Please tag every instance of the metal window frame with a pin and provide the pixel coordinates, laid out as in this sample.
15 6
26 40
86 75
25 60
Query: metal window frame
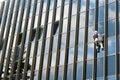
6 37
43 41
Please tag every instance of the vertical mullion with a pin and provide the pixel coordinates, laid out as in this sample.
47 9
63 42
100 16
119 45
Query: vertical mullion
67 41
6 37
76 41
105 39
95 52
59 40
51 41
11 38
117 39
85 41
16 41
43 41
28 47
1 10
36 40
3 21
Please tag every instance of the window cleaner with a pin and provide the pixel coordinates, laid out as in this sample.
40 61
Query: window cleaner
98 40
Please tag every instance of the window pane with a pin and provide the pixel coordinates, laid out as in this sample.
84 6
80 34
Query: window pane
111 45
92 4
111 65
101 14
52 70
71 55
111 11
80 53
69 72
79 71
100 64
89 69
90 51
83 5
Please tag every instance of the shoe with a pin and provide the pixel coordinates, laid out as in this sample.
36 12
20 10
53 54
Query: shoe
102 49
98 51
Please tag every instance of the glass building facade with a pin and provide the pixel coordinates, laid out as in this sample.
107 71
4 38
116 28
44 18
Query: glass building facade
53 40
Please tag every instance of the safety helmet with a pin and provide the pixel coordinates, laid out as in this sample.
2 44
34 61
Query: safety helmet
95 32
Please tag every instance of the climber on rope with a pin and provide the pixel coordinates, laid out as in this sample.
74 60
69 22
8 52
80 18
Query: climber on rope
98 40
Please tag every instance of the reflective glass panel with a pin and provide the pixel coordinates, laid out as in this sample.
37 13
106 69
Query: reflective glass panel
111 45
72 38
101 14
111 65
79 71
69 72
111 11
71 55
89 69
83 5
60 73
90 53
100 64
52 71
92 4
80 53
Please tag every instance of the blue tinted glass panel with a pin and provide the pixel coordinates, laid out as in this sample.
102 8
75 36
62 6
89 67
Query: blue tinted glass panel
89 69
60 73
101 2
101 28
72 39
111 45
71 55
80 53
91 16
111 28
90 34
101 14
100 78
43 74
109 1
111 65
111 11
52 70
82 19
53 60
81 36
90 53
79 71
83 5
92 4
62 57
69 72
111 78
100 64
